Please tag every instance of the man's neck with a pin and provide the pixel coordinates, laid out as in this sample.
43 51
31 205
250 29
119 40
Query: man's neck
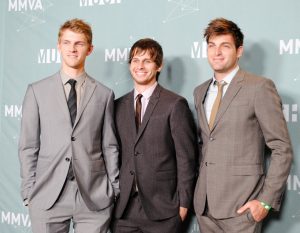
73 73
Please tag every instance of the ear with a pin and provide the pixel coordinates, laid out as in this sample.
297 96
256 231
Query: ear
90 50
240 51
160 68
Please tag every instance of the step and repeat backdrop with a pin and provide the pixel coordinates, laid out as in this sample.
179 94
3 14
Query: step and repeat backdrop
28 38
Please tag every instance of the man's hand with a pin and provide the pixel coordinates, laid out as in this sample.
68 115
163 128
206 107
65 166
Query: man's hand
183 213
256 209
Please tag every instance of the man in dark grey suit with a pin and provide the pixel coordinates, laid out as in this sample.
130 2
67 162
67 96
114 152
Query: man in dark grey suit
68 149
157 139
240 114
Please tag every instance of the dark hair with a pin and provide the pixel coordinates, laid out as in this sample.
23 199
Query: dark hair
147 45
78 26
221 26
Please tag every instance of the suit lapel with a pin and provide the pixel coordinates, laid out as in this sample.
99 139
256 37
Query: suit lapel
129 105
202 96
151 105
231 92
88 91
61 96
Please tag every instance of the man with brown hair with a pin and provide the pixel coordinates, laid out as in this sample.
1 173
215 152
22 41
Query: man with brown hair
68 150
157 138
239 114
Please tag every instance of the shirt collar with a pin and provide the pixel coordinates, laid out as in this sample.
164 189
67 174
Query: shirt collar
65 78
229 77
147 93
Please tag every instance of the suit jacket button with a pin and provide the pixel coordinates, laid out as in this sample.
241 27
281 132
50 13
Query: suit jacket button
73 139
132 173
67 159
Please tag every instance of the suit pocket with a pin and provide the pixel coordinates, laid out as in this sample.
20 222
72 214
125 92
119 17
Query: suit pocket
166 175
247 170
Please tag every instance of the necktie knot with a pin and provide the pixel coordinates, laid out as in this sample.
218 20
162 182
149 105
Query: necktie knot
72 82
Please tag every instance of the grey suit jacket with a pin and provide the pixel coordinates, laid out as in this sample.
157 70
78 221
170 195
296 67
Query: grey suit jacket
232 154
162 154
48 142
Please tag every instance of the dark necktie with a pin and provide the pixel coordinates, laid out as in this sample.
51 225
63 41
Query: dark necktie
138 111
72 101
72 105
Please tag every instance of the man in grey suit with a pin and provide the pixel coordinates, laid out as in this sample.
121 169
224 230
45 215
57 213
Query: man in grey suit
240 115
68 149
157 138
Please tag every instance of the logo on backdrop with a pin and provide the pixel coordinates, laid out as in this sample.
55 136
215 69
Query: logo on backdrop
85 3
48 56
25 5
290 112
198 50
13 111
293 183
291 46
116 54
15 219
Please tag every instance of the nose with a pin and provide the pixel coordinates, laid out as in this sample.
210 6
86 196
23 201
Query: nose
141 65
218 50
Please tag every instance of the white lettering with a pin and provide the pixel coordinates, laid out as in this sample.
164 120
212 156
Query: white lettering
24 5
12 111
48 56
199 50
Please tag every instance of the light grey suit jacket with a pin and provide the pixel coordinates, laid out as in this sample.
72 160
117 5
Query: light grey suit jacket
232 164
48 142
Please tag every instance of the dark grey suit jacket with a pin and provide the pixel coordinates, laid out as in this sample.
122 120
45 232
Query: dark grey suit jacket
249 119
162 153
48 142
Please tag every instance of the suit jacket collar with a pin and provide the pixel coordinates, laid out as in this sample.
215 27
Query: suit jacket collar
88 92
61 97
231 92
202 96
130 111
151 105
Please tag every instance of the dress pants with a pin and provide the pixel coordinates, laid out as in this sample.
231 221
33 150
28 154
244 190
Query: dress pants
69 206
243 223
134 220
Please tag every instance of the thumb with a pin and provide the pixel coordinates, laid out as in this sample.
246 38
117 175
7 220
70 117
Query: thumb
243 209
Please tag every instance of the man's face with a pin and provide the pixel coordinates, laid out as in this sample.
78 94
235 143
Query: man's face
74 49
143 69
222 54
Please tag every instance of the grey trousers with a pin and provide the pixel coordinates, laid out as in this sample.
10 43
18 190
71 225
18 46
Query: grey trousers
69 207
241 224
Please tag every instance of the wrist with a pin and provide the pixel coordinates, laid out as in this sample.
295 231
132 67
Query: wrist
266 206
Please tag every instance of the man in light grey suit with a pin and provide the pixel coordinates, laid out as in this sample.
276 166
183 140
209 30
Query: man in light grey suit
68 150
240 115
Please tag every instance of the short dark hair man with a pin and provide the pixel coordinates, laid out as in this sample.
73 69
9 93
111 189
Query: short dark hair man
239 114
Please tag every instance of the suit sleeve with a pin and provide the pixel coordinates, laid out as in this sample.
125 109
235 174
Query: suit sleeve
29 142
184 136
110 146
268 110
